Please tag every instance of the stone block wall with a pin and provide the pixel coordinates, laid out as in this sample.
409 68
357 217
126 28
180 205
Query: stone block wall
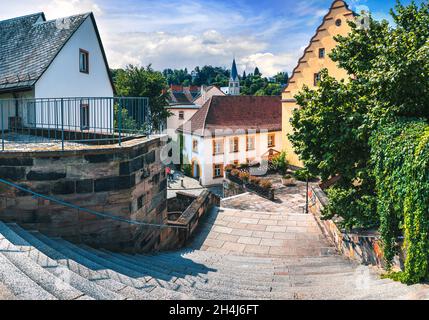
189 219
127 182
363 246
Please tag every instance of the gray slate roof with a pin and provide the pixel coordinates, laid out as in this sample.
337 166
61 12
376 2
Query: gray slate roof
29 44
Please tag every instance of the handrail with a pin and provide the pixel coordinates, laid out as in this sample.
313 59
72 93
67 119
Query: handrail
92 212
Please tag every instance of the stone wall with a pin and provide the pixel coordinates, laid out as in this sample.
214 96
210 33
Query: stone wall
190 218
363 246
128 182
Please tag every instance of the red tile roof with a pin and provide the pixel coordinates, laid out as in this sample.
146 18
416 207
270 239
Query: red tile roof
248 113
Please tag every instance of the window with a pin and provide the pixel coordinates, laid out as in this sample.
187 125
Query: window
250 143
181 115
83 61
195 145
317 77
271 140
338 22
84 116
233 144
322 53
217 147
217 170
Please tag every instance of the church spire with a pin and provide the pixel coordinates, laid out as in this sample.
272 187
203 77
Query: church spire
234 81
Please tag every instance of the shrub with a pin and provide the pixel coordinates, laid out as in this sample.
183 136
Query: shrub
254 180
235 172
243 166
229 167
400 157
266 184
280 163
244 176
287 176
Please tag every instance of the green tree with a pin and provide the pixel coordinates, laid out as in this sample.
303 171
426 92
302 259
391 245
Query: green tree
144 82
388 77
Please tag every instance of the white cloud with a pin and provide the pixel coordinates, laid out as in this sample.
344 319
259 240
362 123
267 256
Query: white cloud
52 8
268 63
187 33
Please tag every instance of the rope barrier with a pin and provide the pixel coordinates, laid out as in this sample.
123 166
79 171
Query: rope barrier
89 211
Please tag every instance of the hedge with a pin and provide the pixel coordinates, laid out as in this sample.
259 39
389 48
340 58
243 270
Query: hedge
400 159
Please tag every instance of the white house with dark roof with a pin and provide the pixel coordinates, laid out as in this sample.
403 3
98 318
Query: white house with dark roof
184 102
62 58
231 130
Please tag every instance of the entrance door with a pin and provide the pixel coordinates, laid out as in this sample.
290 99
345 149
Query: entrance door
196 170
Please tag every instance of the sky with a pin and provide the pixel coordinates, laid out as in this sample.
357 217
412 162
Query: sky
270 34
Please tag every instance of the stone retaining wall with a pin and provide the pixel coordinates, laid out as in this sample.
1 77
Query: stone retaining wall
363 246
190 218
127 181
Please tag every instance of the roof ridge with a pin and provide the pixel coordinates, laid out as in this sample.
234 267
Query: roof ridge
25 16
72 16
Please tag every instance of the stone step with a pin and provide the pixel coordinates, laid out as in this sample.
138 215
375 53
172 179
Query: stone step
147 280
200 289
78 272
56 286
98 286
21 286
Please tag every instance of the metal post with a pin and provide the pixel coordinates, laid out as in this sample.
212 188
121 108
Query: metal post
120 120
2 127
62 124
306 197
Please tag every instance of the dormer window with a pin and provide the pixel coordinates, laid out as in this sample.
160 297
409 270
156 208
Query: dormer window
83 61
322 53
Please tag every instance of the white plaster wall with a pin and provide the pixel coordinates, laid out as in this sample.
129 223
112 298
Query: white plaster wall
173 122
206 158
63 79
7 106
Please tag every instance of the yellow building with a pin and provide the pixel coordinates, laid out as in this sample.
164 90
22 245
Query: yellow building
314 59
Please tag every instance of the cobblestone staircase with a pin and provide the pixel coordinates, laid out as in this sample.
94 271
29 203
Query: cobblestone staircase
33 266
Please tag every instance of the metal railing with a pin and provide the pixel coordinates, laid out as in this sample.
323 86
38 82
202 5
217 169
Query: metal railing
37 123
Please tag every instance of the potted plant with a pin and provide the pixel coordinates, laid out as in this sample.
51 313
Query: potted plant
254 180
235 172
288 180
244 176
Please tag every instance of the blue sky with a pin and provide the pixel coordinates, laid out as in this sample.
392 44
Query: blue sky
185 33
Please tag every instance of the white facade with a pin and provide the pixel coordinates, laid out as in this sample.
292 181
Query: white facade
180 115
63 79
203 160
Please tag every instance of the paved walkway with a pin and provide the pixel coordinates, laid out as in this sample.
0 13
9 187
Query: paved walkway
287 199
180 182
271 234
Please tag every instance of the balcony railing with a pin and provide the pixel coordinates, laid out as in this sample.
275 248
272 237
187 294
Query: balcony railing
27 124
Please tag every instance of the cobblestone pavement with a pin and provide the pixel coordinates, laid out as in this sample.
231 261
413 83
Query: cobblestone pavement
251 225
262 234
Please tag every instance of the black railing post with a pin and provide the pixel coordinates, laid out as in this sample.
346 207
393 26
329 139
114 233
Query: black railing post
62 124
2 126
120 121
306 197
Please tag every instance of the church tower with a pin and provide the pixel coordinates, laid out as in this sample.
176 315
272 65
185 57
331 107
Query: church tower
234 82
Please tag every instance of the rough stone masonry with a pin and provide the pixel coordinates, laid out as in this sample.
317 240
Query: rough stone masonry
127 182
